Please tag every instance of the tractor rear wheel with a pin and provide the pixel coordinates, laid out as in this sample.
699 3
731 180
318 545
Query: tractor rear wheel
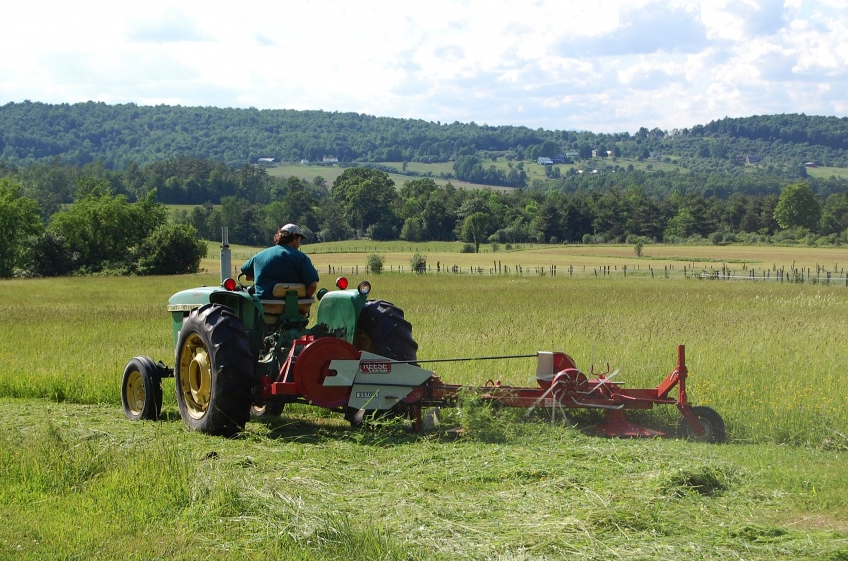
141 390
382 330
711 421
214 371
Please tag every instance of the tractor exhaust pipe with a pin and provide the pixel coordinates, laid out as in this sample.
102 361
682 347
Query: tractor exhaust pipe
226 263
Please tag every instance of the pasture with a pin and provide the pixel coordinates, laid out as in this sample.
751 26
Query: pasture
330 173
81 482
768 356
533 170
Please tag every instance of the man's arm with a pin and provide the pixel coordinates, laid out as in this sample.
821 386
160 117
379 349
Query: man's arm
310 290
247 269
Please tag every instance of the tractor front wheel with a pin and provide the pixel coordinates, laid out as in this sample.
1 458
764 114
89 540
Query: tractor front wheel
711 421
214 371
141 390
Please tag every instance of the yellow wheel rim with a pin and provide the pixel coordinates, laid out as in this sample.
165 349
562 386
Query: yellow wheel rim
195 376
135 392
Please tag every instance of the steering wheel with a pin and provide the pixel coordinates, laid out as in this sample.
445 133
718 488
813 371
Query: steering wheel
242 283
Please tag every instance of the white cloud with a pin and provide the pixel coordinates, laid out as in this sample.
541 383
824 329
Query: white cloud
605 65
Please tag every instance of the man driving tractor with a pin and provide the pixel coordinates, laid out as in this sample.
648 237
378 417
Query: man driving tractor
282 263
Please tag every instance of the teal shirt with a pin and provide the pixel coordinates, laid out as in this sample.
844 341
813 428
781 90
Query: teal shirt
277 264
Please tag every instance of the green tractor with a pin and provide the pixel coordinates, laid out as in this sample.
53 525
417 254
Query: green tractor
238 356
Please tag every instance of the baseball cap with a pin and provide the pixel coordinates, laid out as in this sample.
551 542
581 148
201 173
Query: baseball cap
292 229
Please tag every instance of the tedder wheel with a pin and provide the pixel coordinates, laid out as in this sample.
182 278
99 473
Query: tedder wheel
214 371
384 331
141 389
266 410
709 419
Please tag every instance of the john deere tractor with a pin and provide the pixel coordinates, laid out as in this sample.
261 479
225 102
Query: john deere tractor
237 355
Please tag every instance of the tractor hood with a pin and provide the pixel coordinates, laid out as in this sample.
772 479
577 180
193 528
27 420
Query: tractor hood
187 300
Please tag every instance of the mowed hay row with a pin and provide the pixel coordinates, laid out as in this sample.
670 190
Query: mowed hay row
768 357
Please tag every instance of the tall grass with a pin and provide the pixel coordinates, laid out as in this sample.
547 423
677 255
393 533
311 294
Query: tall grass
79 482
770 358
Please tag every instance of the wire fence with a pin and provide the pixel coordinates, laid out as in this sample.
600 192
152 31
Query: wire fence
819 275
794 275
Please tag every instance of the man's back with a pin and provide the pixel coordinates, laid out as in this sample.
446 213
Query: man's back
279 264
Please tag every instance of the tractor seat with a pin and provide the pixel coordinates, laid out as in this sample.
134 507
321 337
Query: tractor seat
277 307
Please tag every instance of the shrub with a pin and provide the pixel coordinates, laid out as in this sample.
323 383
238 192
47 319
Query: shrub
375 263
467 248
171 250
418 262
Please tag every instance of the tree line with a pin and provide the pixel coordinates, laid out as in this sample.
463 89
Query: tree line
100 233
61 219
120 136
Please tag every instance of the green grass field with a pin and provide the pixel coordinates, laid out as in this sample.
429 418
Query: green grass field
74 335
330 173
826 172
79 481
533 171
584 260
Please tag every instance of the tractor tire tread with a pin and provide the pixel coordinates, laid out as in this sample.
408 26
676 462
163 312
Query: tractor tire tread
383 325
232 370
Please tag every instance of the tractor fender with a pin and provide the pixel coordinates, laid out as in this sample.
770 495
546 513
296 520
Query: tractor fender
246 306
339 311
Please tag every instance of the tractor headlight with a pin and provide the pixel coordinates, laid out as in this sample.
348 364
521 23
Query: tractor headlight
364 288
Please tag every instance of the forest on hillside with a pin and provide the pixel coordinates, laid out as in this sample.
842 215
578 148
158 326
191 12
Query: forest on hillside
62 219
84 187
119 136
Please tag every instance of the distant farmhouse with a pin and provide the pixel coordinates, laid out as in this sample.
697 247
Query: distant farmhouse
330 160
752 160
545 161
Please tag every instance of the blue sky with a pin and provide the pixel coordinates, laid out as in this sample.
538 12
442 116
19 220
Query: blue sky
598 65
